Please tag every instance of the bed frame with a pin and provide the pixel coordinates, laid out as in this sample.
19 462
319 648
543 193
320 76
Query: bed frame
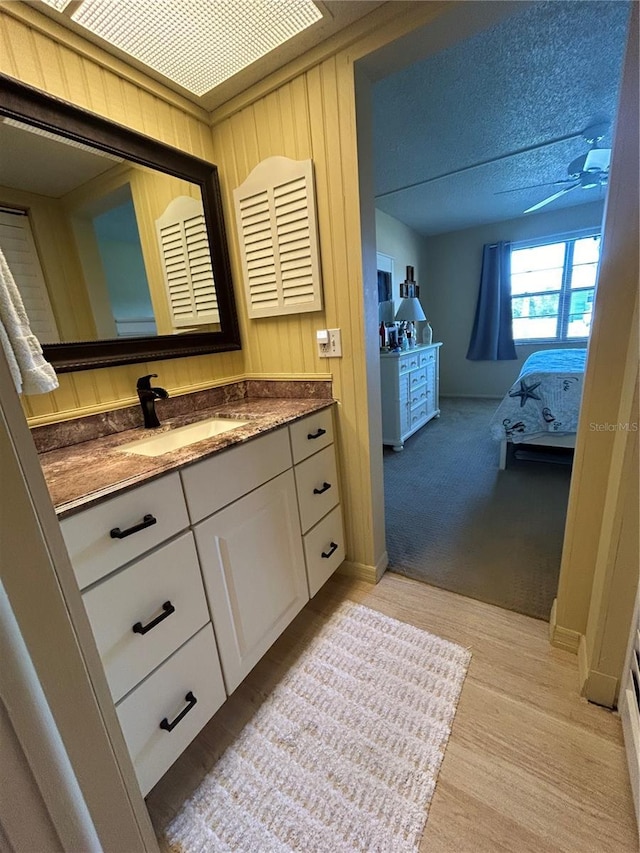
543 441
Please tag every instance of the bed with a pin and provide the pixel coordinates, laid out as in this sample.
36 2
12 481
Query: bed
543 404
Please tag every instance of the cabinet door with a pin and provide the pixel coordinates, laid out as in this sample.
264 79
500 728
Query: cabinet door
432 389
254 573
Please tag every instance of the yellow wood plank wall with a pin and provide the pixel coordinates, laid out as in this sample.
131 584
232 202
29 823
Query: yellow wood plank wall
313 116
38 59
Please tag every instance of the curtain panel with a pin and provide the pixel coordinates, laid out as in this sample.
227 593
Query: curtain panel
492 335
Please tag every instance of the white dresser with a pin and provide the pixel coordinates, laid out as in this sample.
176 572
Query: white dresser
409 386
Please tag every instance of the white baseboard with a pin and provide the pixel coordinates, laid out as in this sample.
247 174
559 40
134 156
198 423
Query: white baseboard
470 396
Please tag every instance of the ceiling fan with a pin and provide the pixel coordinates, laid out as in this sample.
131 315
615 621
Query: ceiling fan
586 171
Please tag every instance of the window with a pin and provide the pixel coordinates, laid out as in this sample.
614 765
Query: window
552 287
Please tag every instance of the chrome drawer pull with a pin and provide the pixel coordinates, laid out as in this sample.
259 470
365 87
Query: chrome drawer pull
327 554
167 726
325 487
147 521
316 434
168 609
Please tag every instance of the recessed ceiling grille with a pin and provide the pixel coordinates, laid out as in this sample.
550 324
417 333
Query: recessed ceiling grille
196 43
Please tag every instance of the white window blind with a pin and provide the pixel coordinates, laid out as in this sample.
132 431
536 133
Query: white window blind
278 236
186 263
19 248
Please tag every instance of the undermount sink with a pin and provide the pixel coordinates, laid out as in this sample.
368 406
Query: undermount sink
181 437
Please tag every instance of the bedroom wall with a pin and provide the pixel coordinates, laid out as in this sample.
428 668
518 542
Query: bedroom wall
405 246
451 285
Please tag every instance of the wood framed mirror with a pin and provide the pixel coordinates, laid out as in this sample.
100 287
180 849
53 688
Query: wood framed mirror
69 174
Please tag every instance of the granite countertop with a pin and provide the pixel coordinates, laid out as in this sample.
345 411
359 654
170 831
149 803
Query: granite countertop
80 475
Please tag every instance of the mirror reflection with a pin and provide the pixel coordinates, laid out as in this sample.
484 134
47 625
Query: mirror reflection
102 248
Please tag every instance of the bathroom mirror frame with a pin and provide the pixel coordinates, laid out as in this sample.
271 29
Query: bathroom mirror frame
33 106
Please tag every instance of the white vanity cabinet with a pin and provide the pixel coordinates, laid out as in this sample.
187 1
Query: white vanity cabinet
188 579
409 389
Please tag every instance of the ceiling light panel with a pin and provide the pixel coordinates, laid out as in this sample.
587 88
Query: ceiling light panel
58 5
197 43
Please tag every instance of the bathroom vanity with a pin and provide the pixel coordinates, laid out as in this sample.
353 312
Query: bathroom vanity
191 563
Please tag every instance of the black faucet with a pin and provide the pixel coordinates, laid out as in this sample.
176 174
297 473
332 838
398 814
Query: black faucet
148 397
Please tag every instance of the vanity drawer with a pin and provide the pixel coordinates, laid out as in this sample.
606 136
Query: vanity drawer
317 487
135 596
311 434
94 548
213 483
324 549
194 669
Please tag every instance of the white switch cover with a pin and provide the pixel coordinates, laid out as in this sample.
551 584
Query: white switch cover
329 343
335 343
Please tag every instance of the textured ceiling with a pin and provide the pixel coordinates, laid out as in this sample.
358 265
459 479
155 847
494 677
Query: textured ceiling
543 73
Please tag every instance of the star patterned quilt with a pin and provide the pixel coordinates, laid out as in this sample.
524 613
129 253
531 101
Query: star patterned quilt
545 398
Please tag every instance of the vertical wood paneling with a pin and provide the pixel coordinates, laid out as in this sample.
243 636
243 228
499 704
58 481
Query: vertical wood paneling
314 116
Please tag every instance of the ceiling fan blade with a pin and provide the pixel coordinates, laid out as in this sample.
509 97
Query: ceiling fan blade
551 198
535 186
598 158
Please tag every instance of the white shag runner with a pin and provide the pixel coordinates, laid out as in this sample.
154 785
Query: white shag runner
344 754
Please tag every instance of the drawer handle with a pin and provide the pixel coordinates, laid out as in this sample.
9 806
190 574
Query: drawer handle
332 549
168 609
325 487
317 434
167 726
147 521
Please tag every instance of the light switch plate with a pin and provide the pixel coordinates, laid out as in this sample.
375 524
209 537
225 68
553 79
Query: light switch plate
335 343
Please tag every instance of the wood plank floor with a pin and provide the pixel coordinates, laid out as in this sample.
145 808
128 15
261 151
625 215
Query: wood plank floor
530 766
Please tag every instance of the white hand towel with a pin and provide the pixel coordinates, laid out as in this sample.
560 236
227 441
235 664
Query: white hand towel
31 373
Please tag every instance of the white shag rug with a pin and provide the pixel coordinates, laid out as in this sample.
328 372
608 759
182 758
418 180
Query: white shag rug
343 755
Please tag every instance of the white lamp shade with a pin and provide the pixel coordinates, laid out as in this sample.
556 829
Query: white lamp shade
410 309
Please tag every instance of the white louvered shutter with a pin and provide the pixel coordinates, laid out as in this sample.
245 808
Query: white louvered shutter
19 248
278 236
186 263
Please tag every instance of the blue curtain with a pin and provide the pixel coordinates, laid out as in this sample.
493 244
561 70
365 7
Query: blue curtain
492 335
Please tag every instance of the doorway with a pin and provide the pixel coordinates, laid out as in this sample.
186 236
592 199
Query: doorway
450 306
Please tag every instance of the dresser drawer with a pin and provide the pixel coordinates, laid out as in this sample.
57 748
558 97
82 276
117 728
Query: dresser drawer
409 362
317 487
417 377
419 396
213 483
136 596
324 549
143 517
418 416
427 357
311 434
195 670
